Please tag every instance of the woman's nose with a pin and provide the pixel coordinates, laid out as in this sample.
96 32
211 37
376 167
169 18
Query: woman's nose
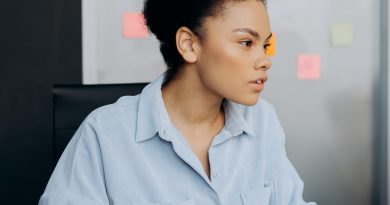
263 63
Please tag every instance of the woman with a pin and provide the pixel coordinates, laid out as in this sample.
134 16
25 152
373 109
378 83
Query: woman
199 133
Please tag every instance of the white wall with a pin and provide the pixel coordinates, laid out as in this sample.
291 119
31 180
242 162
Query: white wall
108 56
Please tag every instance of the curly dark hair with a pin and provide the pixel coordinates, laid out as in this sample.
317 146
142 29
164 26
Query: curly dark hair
165 17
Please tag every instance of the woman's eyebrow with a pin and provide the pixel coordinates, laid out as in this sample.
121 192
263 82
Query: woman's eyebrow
251 32
269 37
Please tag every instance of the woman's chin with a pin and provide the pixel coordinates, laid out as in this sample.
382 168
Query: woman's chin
248 100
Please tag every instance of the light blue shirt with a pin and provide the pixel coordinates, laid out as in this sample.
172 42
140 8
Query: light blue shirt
129 153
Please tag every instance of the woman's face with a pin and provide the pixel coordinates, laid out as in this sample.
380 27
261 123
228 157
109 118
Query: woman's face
233 51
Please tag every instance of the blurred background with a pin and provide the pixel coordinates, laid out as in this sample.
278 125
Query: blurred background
328 83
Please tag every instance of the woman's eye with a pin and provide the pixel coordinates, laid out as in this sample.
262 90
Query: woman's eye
247 43
266 46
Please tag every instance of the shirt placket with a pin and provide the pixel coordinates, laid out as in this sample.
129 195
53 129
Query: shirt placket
183 150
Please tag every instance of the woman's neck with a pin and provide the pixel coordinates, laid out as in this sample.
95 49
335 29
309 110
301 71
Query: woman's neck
189 102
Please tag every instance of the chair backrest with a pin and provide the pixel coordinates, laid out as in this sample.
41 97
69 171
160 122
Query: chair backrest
72 104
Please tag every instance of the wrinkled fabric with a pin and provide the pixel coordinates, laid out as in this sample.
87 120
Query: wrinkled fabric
129 153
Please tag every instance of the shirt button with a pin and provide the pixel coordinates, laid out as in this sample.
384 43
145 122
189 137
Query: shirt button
164 131
216 174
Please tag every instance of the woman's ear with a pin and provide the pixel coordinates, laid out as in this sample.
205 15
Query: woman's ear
186 43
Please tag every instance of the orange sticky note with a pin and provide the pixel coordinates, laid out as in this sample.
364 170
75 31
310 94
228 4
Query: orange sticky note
271 50
134 25
308 67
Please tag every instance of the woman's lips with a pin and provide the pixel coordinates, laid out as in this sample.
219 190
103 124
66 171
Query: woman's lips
261 80
257 86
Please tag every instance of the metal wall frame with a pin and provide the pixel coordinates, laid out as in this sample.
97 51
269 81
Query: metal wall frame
89 42
385 62
381 113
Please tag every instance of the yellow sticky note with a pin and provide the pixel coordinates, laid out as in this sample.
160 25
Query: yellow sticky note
271 50
342 34
308 67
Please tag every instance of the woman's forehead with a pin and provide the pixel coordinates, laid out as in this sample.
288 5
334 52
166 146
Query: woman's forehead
243 14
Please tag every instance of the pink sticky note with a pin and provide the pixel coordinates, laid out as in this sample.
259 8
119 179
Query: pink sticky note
134 25
308 67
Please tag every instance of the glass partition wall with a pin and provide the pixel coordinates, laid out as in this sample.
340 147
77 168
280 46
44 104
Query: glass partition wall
328 84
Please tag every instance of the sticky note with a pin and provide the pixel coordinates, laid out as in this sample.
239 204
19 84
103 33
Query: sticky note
134 25
308 67
342 34
271 50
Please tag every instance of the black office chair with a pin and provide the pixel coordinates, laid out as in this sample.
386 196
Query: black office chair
72 104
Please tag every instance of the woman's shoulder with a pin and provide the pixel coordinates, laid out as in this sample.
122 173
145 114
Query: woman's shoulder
121 105
120 115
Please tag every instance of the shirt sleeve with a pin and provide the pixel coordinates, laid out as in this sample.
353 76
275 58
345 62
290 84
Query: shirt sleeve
289 186
79 175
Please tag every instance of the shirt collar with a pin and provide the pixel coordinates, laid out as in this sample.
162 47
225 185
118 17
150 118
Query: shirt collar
152 115
235 122
150 110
